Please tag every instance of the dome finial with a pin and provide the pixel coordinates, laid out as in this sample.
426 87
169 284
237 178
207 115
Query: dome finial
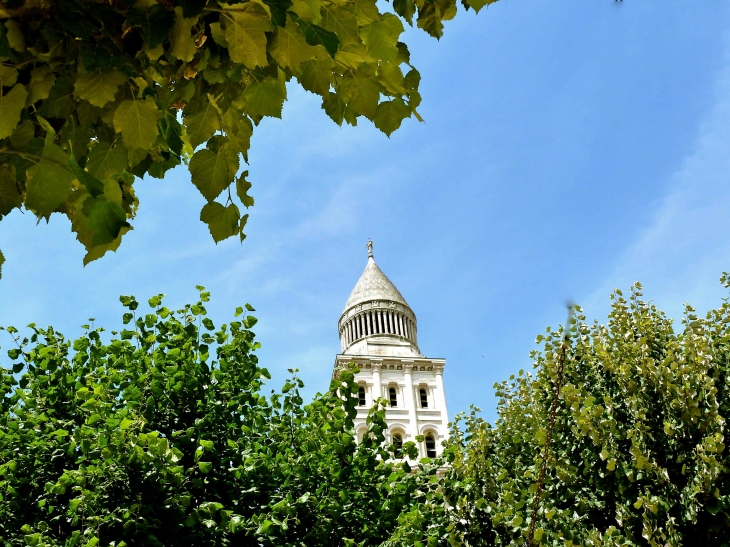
370 249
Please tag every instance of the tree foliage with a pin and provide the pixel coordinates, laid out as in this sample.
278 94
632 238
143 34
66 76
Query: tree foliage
95 94
638 454
162 436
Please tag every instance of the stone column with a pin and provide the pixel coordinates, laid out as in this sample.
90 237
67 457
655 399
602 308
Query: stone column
409 400
377 390
441 401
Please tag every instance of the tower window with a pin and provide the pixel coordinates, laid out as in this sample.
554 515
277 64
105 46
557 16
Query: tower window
392 396
361 396
398 444
430 446
424 398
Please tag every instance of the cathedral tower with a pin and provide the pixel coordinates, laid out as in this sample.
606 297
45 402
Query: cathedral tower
379 334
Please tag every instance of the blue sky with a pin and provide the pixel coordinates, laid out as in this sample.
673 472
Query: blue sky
569 148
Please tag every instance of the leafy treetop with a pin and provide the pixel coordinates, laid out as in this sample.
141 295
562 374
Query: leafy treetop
94 94
162 434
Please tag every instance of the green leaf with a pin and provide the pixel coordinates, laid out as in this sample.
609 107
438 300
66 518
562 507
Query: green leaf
105 219
15 37
381 37
182 44
8 75
205 467
11 104
105 161
406 9
246 25
477 5
22 134
361 94
432 14
4 45
278 10
265 98
342 21
10 196
98 88
137 122
214 168
41 83
290 49
392 78
309 10
316 76
48 182
242 188
202 124
318 36
238 129
334 107
222 221
390 114
93 185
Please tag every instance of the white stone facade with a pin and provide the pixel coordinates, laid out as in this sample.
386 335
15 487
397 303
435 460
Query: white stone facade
379 334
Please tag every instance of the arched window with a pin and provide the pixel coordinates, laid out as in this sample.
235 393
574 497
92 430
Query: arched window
361 396
392 396
430 446
398 444
424 398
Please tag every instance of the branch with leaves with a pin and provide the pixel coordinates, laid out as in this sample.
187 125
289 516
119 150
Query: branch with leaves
96 94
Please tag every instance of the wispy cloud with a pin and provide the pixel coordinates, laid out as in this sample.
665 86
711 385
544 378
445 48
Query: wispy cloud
680 254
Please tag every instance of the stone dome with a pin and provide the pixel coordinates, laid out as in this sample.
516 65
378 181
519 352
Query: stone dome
377 320
374 285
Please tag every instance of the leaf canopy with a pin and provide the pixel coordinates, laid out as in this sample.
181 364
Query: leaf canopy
164 434
123 90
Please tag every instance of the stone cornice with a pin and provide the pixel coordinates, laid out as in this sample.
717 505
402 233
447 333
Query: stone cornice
377 362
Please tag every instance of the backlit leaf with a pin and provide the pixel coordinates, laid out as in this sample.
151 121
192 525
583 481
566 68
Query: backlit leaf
242 188
137 122
182 44
316 76
10 196
265 98
222 221
289 47
478 4
48 182
105 219
41 83
202 123
99 88
245 33
104 161
316 35
11 104
390 114
381 37
214 168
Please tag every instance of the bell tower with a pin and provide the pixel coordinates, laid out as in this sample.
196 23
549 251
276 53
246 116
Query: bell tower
379 334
